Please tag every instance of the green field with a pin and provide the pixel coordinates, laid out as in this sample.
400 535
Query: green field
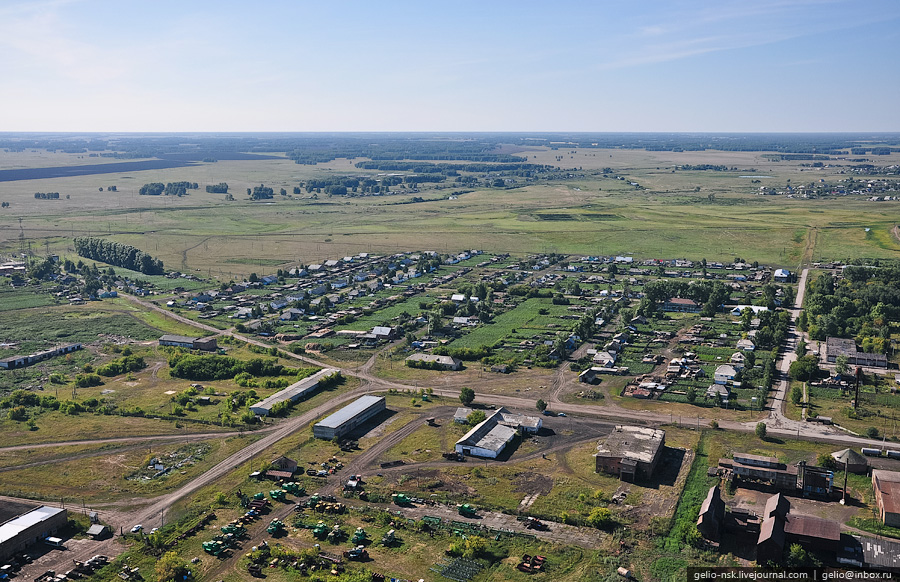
589 215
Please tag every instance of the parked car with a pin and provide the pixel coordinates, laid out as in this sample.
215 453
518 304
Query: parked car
137 528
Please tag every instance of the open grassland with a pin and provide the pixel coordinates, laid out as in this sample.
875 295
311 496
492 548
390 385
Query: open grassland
665 216
111 477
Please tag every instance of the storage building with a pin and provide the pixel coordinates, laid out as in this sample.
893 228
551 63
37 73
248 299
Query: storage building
349 417
631 452
887 496
489 437
207 344
21 530
294 392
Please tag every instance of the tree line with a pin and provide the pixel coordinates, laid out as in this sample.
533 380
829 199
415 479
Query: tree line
47 195
862 304
168 189
118 254
220 188
192 367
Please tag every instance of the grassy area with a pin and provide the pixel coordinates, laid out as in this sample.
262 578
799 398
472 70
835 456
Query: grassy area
115 476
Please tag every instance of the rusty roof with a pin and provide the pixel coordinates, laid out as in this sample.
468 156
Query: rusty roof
812 527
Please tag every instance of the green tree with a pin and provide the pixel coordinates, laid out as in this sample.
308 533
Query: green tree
796 395
842 364
466 396
476 417
761 430
797 556
803 321
826 461
691 394
541 405
170 568
804 369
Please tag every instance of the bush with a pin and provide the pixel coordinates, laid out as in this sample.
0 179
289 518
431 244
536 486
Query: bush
476 417
601 518
761 430
87 380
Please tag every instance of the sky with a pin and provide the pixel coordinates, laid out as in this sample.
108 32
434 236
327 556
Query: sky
487 65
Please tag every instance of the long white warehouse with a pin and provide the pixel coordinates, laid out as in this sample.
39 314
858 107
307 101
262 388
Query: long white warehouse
293 392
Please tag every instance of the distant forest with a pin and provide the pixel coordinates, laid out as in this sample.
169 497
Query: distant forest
496 148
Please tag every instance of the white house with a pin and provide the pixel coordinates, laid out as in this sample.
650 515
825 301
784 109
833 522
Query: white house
725 374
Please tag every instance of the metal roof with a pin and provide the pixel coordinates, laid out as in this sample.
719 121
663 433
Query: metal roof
295 390
177 338
17 525
348 412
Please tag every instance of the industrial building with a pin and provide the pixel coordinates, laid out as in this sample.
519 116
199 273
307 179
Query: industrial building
12 362
207 344
489 437
24 525
631 452
887 496
780 527
712 515
808 479
349 417
835 347
294 392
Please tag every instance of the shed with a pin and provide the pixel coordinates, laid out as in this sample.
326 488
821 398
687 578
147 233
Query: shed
98 531
855 462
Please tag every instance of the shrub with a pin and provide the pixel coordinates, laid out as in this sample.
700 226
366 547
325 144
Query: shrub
761 430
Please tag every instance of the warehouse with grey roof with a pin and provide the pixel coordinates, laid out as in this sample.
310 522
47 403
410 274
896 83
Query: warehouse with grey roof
25 525
294 392
349 417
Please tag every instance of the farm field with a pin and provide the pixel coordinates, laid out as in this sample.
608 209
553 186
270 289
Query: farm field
663 217
543 288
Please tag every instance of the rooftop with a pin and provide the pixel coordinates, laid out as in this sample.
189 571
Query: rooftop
297 388
177 338
632 442
346 413
16 525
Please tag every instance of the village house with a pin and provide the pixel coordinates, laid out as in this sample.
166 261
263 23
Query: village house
445 362
681 305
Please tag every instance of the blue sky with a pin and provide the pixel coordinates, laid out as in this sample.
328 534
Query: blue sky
748 65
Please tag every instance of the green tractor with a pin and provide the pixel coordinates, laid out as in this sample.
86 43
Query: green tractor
401 499
276 527
389 538
359 536
320 530
214 547
277 494
336 534
233 528
294 488
466 510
